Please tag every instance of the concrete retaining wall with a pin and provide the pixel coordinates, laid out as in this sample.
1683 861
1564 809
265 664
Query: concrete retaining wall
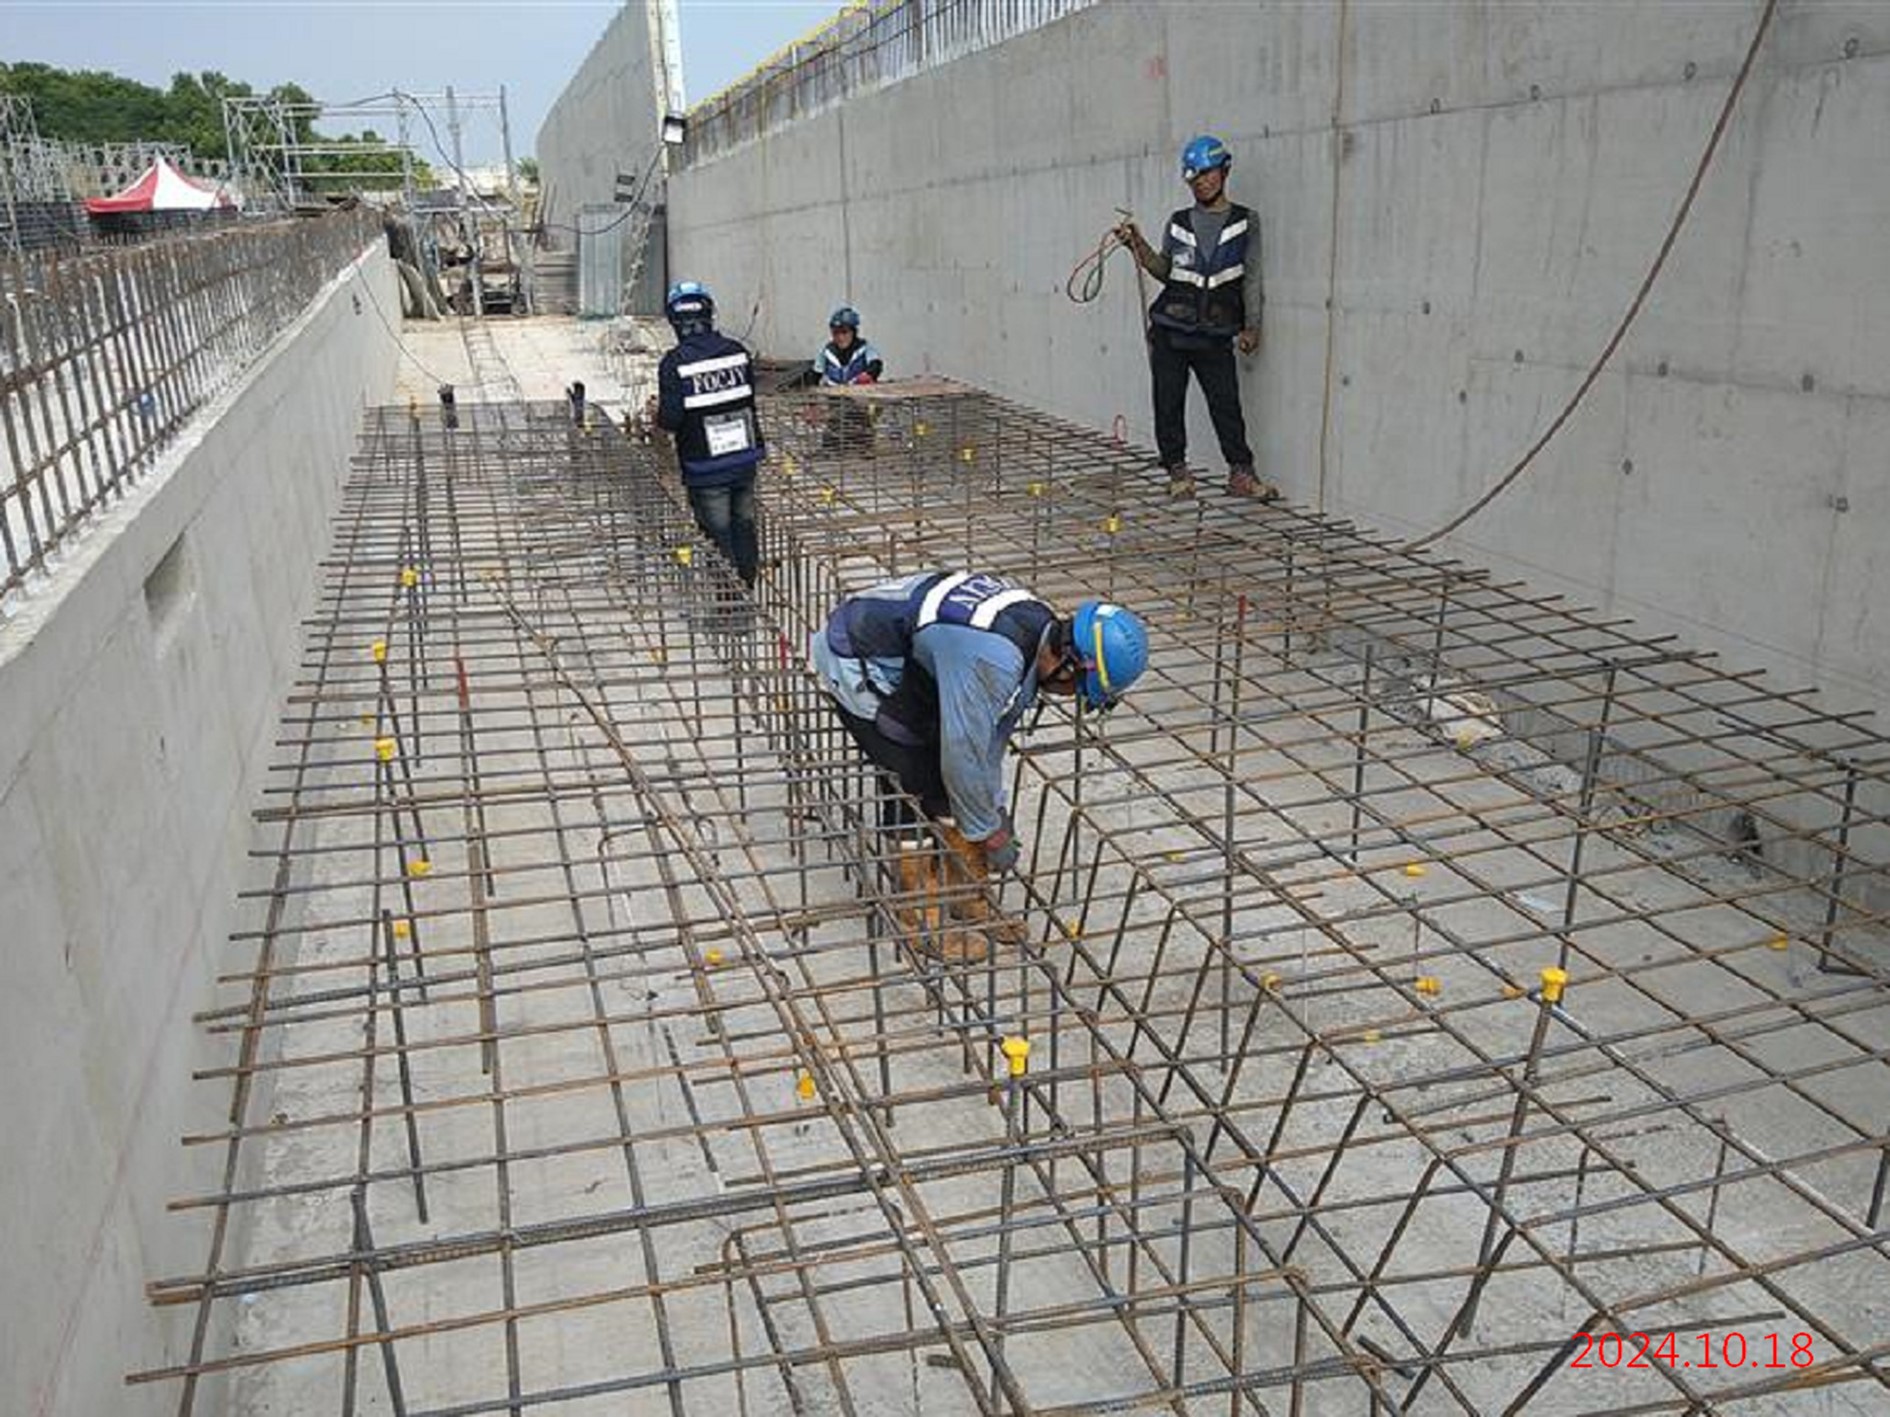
1458 202
604 124
139 696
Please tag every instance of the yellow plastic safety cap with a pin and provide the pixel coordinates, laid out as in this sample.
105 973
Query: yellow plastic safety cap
402 929
1554 981
685 555
1780 943
826 494
1414 869
1270 982
967 454
1429 984
1112 525
419 866
1035 489
919 430
1016 1052
384 749
379 650
1372 1035
409 577
804 1086
712 958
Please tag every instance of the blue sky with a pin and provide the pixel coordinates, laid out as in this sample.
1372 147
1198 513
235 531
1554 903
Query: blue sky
347 49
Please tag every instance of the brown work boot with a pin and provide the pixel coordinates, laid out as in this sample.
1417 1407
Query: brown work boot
965 870
1241 482
920 915
1180 480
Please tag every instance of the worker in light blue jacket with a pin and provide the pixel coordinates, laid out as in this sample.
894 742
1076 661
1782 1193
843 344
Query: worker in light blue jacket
931 675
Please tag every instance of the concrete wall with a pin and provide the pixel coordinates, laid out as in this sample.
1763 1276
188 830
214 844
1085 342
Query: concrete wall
139 695
606 122
1479 188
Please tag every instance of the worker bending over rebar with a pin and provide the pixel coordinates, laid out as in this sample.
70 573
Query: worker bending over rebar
931 674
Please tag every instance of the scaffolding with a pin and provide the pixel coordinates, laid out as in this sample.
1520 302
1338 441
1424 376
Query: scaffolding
282 163
1432 990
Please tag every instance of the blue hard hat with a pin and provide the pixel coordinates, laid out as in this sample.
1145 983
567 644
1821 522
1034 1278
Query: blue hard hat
1111 646
689 299
1203 154
846 317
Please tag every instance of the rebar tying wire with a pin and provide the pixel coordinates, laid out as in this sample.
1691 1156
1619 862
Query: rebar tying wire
1634 306
1089 270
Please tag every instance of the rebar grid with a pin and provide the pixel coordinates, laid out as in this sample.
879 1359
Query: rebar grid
580 1063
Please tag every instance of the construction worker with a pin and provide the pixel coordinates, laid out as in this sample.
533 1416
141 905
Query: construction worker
931 674
1210 304
844 360
705 395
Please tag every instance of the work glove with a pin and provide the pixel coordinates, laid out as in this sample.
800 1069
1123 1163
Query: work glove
1000 850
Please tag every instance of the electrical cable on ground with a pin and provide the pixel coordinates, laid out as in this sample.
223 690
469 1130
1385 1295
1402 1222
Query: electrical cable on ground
406 352
1634 307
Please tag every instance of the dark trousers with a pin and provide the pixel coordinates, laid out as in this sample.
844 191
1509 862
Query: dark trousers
727 517
914 767
1213 367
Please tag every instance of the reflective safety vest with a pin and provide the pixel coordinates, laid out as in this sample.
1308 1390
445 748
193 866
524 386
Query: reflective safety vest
1202 295
881 623
838 368
706 387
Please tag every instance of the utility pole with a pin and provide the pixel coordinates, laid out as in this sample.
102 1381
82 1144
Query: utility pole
468 227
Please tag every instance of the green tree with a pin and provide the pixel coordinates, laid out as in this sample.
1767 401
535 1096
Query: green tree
90 106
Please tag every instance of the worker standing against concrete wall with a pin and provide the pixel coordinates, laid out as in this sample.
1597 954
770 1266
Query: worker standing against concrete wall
705 395
1210 303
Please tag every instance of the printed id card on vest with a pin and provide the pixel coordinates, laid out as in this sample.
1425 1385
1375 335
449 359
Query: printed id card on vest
727 433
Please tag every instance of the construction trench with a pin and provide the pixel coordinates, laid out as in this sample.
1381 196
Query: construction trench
1425 977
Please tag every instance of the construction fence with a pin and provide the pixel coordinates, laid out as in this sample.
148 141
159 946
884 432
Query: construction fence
860 49
105 356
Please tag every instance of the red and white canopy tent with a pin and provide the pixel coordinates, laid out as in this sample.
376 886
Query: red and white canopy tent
161 188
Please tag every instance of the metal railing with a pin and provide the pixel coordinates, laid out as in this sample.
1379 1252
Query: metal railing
861 49
105 356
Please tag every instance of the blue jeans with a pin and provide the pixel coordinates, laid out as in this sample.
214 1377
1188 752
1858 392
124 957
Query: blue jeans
727 517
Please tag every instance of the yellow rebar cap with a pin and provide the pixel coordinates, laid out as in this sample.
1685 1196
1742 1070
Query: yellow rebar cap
1017 1052
1554 981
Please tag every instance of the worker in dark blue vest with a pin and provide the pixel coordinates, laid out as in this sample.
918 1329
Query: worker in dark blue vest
845 360
705 395
1210 304
931 674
